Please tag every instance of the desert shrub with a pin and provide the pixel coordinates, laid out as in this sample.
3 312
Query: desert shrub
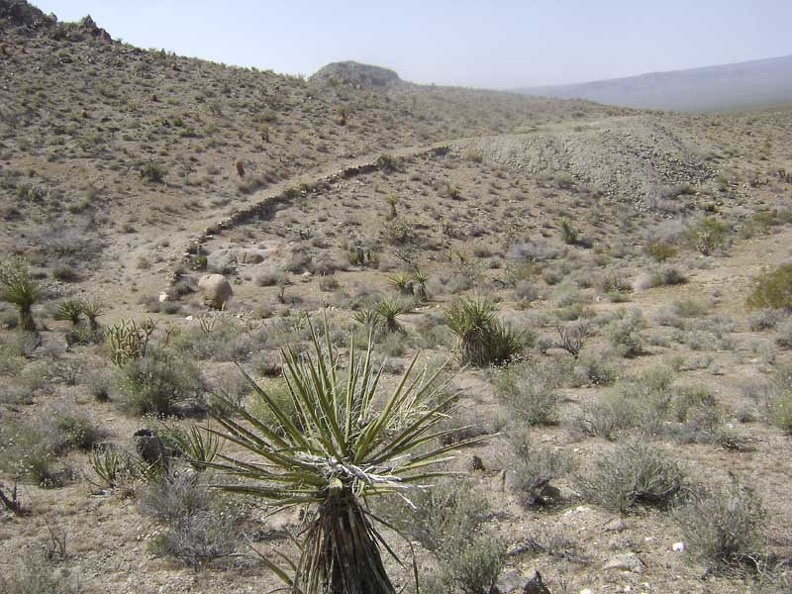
31 380
33 574
153 172
596 369
783 336
474 566
634 473
525 290
99 384
199 538
708 235
689 307
610 416
641 401
159 382
660 251
779 399
569 234
725 526
450 523
483 338
625 334
773 290
65 274
199 527
11 360
667 276
28 451
219 337
74 431
572 336
431 332
530 392
614 285
532 468
764 319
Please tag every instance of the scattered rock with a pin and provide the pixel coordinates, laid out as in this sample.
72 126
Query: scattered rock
616 525
215 290
625 562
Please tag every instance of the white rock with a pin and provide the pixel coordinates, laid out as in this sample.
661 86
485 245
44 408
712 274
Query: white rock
678 547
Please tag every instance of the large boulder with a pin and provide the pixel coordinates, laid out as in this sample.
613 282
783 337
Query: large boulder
214 290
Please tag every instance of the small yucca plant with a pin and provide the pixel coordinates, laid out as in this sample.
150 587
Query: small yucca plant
483 338
334 448
17 288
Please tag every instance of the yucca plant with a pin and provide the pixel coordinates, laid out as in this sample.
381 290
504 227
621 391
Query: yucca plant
70 309
483 338
332 451
388 311
199 446
17 288
92 310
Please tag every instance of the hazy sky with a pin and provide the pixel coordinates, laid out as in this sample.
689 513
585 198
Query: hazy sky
497 44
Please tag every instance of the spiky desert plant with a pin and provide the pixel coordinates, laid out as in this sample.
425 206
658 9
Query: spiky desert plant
332 451
420 278
388 311
70 309
483 338
198 445
92 310
18 289
401 282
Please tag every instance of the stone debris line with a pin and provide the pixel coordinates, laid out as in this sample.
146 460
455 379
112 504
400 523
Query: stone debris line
265 207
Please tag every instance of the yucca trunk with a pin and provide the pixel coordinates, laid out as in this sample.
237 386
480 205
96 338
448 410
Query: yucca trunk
341 553
26 322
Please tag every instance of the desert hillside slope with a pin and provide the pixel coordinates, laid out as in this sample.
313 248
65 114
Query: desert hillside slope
604 290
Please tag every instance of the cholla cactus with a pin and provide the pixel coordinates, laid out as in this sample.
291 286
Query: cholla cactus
128 341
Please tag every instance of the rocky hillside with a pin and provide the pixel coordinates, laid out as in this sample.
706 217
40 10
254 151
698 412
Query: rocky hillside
603 291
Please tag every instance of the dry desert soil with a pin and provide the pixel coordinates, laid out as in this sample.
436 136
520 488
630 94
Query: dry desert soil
636 439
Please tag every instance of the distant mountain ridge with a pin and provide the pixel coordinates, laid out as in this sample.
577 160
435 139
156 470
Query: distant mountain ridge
729 87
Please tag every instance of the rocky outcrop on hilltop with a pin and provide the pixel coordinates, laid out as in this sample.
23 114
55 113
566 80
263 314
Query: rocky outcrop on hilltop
18 13
27 19
356 75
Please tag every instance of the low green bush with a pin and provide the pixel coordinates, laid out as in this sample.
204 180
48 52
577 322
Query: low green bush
159 382
773 290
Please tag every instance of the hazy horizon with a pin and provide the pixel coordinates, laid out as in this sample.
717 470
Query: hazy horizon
502 45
